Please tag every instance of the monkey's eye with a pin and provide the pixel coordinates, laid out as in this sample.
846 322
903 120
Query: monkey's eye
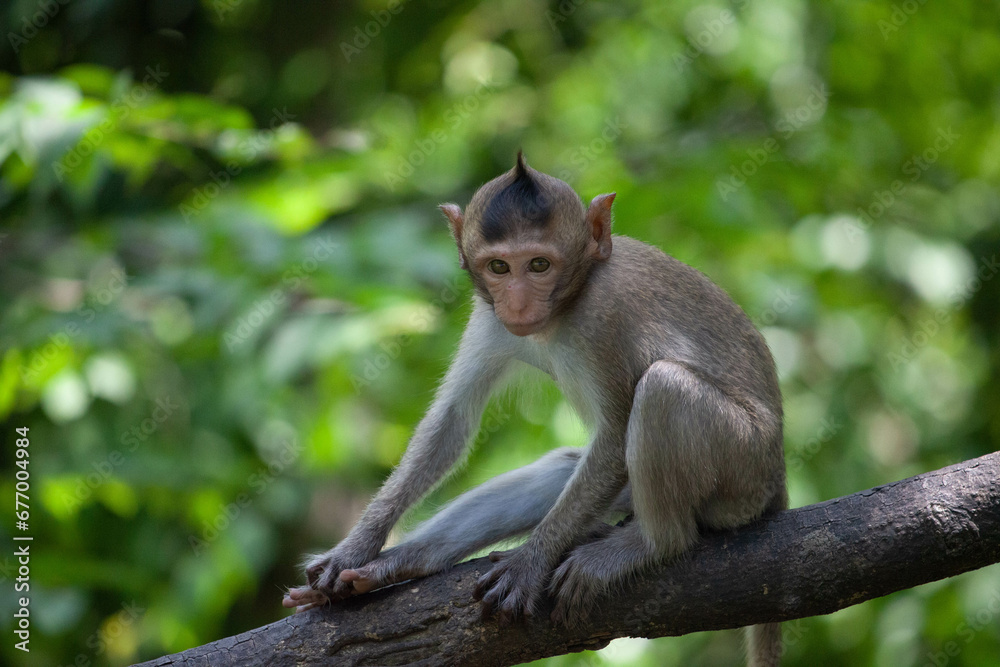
539 264
498 266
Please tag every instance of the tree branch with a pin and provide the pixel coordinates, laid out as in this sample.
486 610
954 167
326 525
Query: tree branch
803 562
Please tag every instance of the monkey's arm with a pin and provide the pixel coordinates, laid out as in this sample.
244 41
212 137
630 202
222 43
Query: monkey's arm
516 582
442 435
438 443
598 479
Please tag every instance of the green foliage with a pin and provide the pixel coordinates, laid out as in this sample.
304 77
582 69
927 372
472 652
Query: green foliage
227 293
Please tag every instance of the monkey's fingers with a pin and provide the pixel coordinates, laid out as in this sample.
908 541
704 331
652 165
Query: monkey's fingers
486 582
322 573
324 576
295 594
314 571
303 598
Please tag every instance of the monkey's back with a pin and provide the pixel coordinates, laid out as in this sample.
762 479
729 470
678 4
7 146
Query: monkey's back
661 308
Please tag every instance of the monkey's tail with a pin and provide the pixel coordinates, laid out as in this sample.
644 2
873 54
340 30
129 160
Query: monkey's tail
764 645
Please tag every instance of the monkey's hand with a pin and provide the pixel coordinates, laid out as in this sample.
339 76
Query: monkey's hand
514 585
327 583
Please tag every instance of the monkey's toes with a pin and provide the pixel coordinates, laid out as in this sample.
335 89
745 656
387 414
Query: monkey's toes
570 608
385 570
361 580
574 590
576 585
504 594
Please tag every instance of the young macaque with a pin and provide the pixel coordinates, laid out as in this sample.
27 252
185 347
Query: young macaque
677 386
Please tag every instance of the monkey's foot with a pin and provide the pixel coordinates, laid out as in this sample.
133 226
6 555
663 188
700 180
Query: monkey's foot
381 572
513 586
577 583
591 569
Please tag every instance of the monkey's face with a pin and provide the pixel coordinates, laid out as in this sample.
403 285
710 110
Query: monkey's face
529 244
521 278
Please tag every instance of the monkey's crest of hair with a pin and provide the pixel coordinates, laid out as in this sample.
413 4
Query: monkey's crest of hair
521 200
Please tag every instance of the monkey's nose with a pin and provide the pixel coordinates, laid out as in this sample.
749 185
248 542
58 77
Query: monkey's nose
517 299
517 303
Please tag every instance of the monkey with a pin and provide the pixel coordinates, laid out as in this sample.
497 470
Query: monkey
677 387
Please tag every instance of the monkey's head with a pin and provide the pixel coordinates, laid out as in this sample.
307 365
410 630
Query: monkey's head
528 244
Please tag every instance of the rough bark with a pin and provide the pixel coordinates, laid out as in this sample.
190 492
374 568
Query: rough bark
803 562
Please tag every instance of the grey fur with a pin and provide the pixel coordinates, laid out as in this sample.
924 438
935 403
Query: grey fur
681 394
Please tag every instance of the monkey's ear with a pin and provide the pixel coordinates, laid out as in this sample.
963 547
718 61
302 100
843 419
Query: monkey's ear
599 224
455 221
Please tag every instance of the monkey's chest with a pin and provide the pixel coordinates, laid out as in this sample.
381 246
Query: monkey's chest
578 386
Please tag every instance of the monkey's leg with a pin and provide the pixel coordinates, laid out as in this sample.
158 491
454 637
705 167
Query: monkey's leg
508 505
684 438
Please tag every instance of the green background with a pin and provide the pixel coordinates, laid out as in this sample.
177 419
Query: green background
226 293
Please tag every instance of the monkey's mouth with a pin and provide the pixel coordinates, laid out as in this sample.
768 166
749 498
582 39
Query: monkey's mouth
525 328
